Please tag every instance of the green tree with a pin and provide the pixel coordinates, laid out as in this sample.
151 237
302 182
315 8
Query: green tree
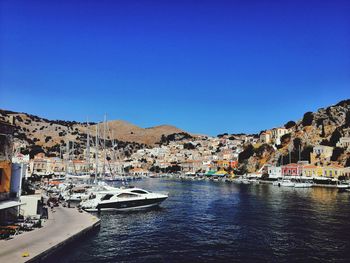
289 124
308 118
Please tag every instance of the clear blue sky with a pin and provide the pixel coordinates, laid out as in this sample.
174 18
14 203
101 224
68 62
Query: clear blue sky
205 66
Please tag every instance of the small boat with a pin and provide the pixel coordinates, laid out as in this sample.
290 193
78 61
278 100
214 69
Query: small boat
342 186
123 199
303 185
254 181
245 181
286 183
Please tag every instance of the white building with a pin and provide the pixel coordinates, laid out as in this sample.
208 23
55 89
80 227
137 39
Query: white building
344 142
274 171
277 133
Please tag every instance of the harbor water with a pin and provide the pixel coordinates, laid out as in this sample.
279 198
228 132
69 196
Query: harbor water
216 221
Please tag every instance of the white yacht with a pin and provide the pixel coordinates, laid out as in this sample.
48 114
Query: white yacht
303 185
122 199
286 183
342 186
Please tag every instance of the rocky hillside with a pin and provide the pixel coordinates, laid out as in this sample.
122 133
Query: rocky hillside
125 131
323 127
35 134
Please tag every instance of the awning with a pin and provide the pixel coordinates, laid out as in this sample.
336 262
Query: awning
221 173
210 173
9 204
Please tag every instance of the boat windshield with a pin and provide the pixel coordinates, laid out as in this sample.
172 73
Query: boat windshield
139 191
107 197
126 195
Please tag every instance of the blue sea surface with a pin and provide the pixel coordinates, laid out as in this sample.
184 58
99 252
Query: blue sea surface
205 221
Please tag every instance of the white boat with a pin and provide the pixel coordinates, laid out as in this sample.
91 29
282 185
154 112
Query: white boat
122 199
254 181
303 185
286 183
276 183
245 181
342 186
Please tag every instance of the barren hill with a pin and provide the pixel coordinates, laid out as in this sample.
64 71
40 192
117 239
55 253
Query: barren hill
125 131
33 132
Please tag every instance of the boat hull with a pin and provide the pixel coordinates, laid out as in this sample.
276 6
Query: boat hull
128 205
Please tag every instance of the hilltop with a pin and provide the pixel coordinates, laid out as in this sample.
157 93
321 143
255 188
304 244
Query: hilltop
322 127
125 131
35 133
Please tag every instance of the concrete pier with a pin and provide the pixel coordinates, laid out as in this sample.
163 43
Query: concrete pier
63 226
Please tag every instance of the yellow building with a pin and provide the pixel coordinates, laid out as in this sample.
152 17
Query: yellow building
312 170
333 171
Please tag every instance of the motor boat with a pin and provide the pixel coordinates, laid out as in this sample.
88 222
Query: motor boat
342 186
122 199
303 185
286 183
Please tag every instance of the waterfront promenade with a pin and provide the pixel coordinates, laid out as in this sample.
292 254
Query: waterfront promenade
63 226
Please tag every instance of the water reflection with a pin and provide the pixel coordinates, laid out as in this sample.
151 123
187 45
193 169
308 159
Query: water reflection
209 221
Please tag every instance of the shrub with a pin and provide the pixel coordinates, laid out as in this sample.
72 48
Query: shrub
305 153
289 124
334 137
246 153
297 143
285 138
189 146
308 118
337 152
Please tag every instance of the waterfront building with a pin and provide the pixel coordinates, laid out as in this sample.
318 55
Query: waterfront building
346 172
56 165
312 171
225 164
38 165
138 172
333 171
274 171
292 169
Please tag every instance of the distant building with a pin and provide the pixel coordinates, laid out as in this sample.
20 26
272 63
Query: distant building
344 142
324 151
277 133
265 137
321 153
39 165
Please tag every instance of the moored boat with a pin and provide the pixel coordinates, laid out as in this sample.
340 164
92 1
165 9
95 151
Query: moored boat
303 185
123 199
286 183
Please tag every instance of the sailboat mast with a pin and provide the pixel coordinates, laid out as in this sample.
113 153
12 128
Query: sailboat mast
88 146
104 144
96 153
67 156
